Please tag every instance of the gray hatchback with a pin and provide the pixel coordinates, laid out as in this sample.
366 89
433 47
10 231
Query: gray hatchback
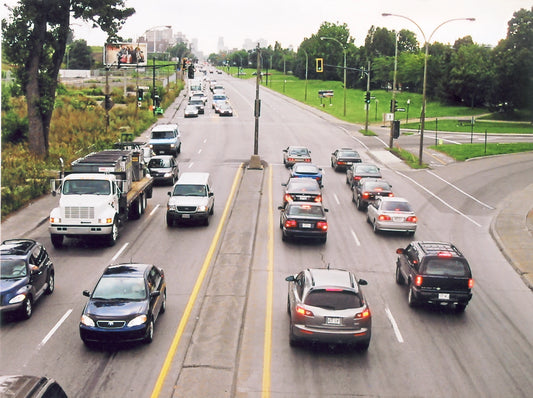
327 305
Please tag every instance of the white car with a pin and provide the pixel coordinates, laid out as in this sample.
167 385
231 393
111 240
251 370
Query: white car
392 214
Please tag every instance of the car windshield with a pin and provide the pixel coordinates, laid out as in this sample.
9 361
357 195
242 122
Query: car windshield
159 163
219 97
333 299
299 151
12 269
162 134
305 210
86 187
189 190
396 206
446 266
120 288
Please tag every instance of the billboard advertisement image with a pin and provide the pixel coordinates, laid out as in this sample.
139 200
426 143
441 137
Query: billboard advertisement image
125 54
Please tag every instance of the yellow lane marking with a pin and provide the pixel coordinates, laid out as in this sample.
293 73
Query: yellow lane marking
267 347
192 299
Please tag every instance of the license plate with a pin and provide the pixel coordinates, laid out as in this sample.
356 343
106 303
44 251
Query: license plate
333 321
185 216
444 296
348 163
303 197
306 225
397 219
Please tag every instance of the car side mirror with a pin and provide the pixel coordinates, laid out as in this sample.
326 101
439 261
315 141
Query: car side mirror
155 294
283 184
169 193
210 194
281 208
326 210
290 278
362 282
87 293
399 251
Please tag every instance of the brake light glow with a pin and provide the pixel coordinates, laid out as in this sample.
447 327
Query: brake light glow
366 195
356 178
363 315
302 311
307 160
445 254
318 198
470 283
419 280
323 225
333 289
287 198
390 195
384 217
291 224
411 219
290 159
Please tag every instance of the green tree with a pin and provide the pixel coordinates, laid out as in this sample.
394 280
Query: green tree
79 55
34 39
180 50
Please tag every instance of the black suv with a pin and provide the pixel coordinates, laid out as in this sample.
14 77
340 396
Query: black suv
436 273
27 273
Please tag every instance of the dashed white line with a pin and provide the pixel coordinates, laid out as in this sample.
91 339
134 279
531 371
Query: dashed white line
154 210
394 325
51 332
357 242
120 251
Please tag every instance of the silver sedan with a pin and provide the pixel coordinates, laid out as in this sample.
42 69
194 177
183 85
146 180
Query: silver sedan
392 214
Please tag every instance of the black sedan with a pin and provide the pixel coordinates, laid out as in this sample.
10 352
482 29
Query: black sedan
366 190
164 168
343 158
358 171
303 220
302 190
124 305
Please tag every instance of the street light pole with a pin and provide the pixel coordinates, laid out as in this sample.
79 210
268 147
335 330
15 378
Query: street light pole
423 112
344 52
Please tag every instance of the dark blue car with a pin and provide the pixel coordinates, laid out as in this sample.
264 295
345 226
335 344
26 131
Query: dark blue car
26 274
124 304
307 170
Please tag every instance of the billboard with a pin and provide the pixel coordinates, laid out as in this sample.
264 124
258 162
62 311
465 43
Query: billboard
125 54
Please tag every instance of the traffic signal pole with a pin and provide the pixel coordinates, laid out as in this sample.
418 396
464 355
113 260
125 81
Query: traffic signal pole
393 110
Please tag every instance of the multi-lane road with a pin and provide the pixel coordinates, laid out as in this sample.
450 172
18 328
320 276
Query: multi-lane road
225 331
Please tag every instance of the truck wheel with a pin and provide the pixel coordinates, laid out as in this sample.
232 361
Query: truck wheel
144 203
113 236
135 209
57 240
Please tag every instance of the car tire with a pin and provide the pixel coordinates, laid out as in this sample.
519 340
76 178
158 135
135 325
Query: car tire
411 300
164 303
323 240
206 221
293 341
284 237
27 308
399 277
113 236
288 305
460 308
57 240
359 204
363 346
50 284
374 227
148 338
212 211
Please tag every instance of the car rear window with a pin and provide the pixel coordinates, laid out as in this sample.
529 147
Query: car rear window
367 169
446 267
304 184
349 154
396 206
306 169
377 186
333 299
306 210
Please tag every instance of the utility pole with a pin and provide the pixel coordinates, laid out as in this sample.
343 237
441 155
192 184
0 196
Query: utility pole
391 139
367 90
255 160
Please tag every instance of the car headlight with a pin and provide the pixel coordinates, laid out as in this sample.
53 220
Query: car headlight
202 208
171 207
87 321
19 298
138 320
168 175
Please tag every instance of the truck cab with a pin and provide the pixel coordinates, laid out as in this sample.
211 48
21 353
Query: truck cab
165 139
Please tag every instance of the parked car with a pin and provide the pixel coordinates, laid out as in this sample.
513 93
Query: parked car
164 168
302 190
342 158
303 220
224 109
392 214
124 305
327 305
295 154
366 191
26 386
361 170
27 272
436 273
307 170
191 110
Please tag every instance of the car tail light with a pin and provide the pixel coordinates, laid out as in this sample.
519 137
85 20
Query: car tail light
366 195
384 217
318 198
356 178
341 162
363 314
287 198
411 219
290 160
445 254
323 225
470 283
291 224
302 311
419 280
308 160
390 194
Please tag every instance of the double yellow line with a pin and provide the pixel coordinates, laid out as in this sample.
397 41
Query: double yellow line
199 281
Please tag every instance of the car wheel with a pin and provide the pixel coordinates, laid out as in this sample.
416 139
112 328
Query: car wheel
347 180
374 227
411 297
27 308
460 308
164 303
284 237
363 346
50 284
57 240
323 239
170 221
212 211
399 277
288 305
206 221
358 203
113 236
149 332
293 341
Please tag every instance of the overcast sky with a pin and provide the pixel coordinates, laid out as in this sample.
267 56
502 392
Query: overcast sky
291 21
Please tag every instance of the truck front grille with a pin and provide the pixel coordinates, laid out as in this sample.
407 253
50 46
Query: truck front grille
79 212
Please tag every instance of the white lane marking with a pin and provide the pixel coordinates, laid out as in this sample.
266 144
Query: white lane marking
51 332
394 325
439 199
120 251
336 198
199 151
205 140
154 210
357 242
190 164
460 190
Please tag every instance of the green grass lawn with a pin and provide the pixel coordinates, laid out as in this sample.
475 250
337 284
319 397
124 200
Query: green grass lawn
468 151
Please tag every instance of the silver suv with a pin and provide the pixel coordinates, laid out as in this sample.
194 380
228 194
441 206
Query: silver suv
165 139
327 305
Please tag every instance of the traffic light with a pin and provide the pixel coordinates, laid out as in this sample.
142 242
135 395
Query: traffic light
191 71
395 128
393 105
140 94
184 63
367 97
319 64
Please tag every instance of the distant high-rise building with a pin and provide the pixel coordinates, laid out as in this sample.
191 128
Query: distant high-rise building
220 45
